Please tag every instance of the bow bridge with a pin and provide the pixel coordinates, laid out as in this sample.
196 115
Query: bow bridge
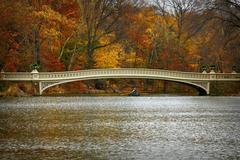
201 81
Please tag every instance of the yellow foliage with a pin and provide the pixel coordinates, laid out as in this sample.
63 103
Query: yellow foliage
106 39
191 46
53 28
47 15
132 60
50 22
108 57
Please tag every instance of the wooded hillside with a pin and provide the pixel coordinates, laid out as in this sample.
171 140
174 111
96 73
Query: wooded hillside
63 35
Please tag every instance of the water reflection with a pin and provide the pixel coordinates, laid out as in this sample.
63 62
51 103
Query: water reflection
120 128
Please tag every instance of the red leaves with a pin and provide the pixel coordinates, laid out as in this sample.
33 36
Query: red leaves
12 62
50 63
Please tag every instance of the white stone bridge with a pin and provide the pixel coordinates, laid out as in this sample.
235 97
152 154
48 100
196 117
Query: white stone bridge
200 81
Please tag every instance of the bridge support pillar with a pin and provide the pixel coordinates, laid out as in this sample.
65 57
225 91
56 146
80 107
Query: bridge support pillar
40 88
208 88
36 88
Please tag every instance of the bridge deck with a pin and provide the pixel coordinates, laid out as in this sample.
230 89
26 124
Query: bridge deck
118 73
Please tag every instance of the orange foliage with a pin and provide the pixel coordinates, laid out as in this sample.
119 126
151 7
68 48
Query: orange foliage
141 31
12 62
54 29
51 63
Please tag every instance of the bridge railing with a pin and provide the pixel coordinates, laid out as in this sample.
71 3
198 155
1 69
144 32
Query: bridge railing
121 72
16 76
227 76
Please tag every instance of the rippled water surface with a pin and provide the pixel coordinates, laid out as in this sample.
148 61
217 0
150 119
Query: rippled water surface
120 128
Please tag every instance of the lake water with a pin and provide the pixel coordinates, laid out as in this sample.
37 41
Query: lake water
120 128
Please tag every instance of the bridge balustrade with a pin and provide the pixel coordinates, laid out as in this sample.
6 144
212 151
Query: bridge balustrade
49 79
120 72
227 76
17 75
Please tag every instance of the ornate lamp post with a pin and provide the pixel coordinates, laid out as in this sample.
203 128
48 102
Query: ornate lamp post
204 68
34 67
212 68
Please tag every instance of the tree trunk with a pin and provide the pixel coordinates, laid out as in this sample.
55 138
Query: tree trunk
36 51
90 61
63 47
72 58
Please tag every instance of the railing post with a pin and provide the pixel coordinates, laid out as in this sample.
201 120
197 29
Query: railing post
213 75
35 74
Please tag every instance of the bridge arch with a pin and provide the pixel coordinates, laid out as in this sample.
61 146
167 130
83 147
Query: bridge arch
202 89
200 81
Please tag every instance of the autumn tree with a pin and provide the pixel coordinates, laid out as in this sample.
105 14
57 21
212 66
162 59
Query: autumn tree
140 34
51 28
100 17
32 31
181 11
14 51
225 18
228 12
109 56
